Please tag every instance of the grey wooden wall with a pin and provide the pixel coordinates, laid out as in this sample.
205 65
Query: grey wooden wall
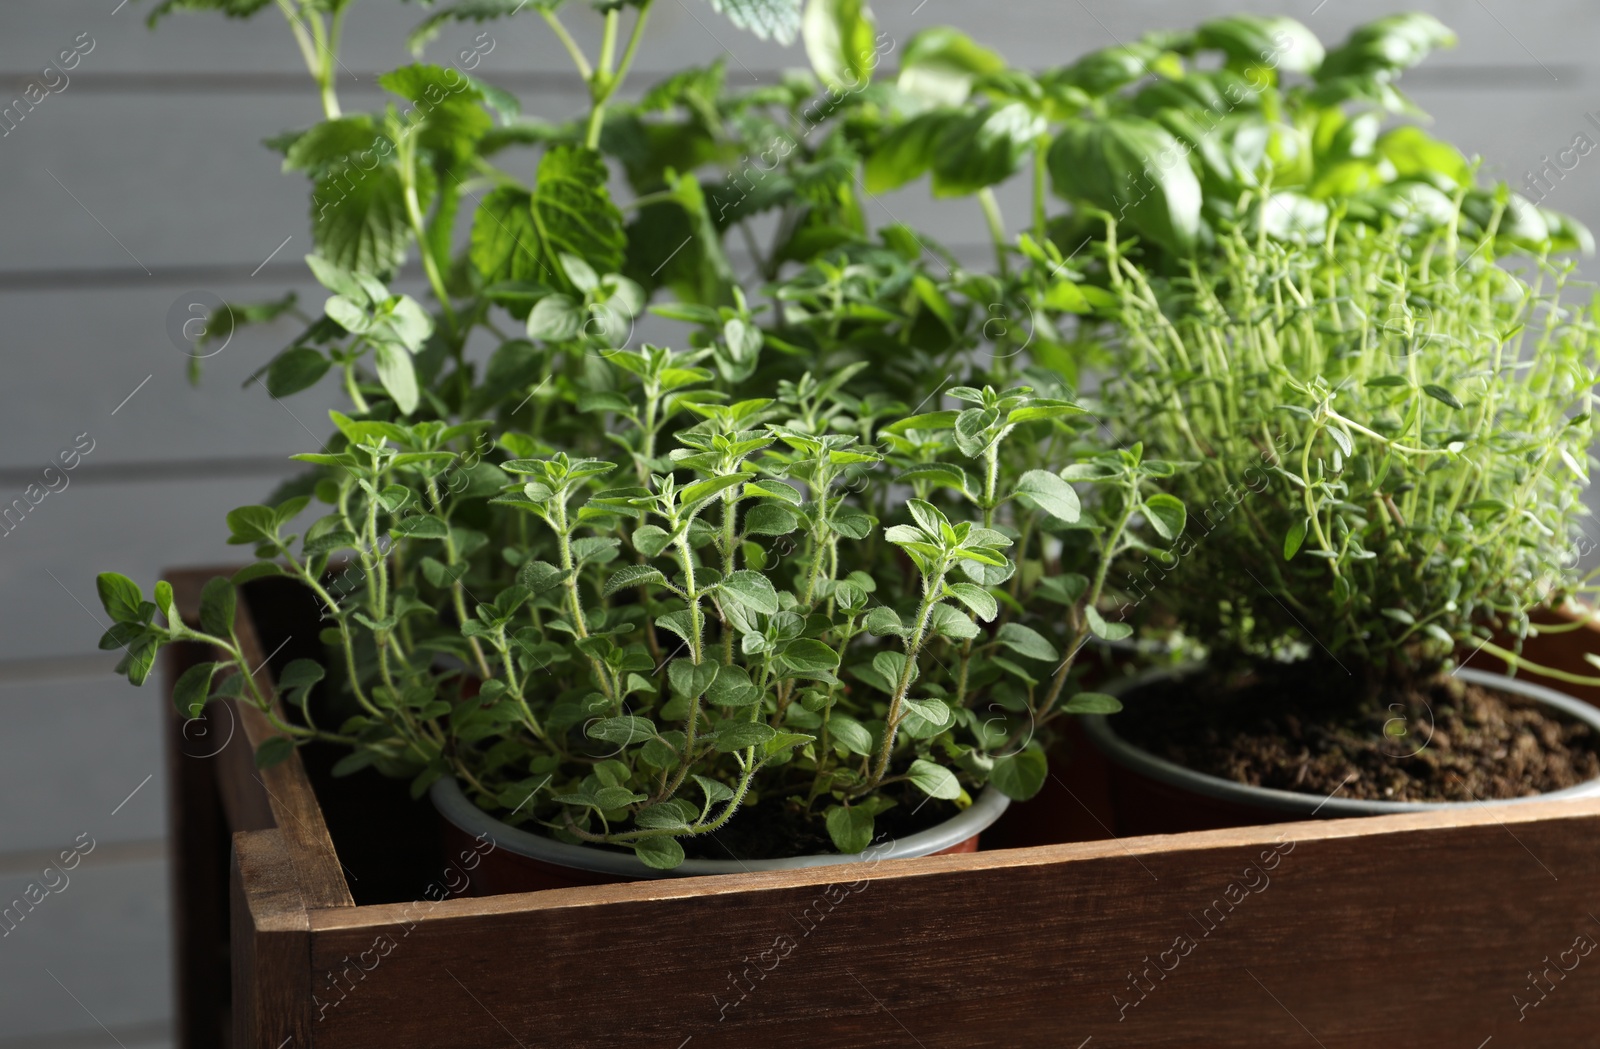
141 179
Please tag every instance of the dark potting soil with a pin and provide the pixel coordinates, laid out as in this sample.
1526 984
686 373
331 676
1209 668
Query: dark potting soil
1307 729
775 829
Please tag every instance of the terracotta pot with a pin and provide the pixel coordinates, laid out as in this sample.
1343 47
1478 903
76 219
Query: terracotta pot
522 861
1152 795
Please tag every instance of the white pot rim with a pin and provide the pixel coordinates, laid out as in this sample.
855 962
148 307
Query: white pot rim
455 806
1127 755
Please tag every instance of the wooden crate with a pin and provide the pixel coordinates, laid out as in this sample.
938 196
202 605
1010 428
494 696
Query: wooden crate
1453 930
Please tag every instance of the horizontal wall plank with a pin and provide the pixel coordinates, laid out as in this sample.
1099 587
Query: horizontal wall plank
76 359
96 952
110 788
48 564
193 187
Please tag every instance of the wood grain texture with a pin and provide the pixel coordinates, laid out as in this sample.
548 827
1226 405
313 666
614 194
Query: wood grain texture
270 944
279 797
1411 929
199 847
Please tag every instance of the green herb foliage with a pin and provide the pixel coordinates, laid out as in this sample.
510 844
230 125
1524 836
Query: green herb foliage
1390 435
836 554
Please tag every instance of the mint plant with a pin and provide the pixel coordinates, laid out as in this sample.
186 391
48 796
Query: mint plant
833 554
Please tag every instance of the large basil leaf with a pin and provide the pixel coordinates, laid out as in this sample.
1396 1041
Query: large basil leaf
906 152
1387 45
1134 169
1272 41
982 149
940 64
839 37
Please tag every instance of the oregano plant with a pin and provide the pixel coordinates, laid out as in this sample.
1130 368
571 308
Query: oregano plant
831 551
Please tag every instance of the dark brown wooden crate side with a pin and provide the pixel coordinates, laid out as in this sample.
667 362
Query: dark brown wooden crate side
1413 929
271 944
278 797
198 846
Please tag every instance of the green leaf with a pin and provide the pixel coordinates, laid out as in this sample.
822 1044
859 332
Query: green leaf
259 570
733 688
420 526
809 656
1092 703
1025 641
1387 45
783 741
446 101
983 149
752 590
295 369
556 318
770 519
190 691
630 576
939 473
505 242
740 735
1102 629
905 152
925 718
980 601
947 621
936 781
466 10
661 853
940 64
120 596
1293 540
138 660
274 750
883 620
231 8
850 829
1414 154
714 790
1047 492
690 679
839 41
849 733
1166 515
217 602
1442 395
768 19
623 731
1266 41
573 212
397 375
1135 169
300 673
1021 775
358 218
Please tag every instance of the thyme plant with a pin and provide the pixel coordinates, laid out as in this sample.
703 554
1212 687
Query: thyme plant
1390 434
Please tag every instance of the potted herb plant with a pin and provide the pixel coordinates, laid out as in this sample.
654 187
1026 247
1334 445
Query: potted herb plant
813 582
1385 432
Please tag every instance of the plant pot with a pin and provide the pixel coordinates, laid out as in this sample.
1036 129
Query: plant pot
1152 795
522 861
